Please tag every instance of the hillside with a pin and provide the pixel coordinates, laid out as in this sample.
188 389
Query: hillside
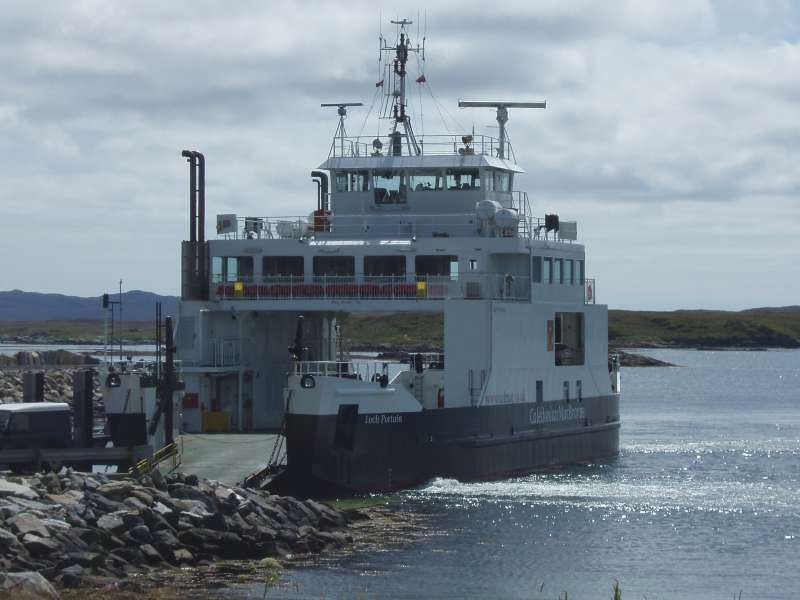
17 305
58 318
752 328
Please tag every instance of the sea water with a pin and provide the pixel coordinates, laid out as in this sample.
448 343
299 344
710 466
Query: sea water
703 503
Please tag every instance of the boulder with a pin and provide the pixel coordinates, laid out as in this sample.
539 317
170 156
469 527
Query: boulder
141 533
8 488
26 586
112 523
39 547
116 490
151 554
26 522
184 556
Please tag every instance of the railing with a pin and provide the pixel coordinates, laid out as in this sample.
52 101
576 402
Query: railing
365 146
589 291
362 371
224 352
497 286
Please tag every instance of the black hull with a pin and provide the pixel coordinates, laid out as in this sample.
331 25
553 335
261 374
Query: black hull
385 452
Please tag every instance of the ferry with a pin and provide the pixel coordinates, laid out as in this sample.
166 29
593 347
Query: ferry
403 224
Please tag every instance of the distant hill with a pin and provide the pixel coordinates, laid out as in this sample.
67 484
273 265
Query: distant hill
777 327
137 305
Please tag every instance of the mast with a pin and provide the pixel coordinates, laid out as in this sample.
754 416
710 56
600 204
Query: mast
502 115
401 119
341 133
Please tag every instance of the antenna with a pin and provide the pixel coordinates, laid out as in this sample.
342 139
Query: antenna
340 131
401 50
502 115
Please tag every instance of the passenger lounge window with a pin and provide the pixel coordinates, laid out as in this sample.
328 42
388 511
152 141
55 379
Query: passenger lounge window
568 272
384 265
536 269
231 268
341 266
425 182
502 181
441 265
569 344
283 266
547 273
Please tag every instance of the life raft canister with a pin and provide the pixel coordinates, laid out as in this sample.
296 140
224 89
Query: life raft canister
589 292
440 398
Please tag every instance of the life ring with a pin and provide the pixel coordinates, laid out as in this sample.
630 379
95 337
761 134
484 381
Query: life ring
113 380
589 292
307 381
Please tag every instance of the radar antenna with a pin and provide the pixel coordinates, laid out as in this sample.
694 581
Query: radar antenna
502 115
401 50
340 130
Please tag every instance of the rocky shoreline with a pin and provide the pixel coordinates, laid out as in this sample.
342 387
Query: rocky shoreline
82 530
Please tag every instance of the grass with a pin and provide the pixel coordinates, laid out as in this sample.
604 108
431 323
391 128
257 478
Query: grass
765 328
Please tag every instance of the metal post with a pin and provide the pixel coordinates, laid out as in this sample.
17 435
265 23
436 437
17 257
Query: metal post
168 383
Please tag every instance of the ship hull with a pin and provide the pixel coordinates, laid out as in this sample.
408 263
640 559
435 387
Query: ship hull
389 451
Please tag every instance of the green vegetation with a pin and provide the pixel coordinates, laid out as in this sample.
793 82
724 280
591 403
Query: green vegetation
755 328
75 331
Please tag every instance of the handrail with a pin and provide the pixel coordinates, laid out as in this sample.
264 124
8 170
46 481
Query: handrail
146 465
445 144
496 286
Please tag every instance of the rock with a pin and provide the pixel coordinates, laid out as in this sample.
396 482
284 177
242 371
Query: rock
143 497
8 488
27 523
26 586
39 546
131 520
191 480
134 503
71 576
184 556
84 559
158 480
151 554
141 533
112 523
116 490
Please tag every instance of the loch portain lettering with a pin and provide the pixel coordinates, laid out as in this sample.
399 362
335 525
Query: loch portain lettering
383 419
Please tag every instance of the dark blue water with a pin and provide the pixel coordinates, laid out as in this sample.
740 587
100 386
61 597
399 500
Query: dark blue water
703 502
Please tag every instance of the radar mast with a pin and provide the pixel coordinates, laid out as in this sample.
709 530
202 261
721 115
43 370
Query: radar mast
397 90
502 115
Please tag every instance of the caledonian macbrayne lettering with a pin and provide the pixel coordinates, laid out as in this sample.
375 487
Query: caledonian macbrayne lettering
382 419
539 415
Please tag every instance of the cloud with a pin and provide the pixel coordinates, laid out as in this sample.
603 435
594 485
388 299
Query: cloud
653 108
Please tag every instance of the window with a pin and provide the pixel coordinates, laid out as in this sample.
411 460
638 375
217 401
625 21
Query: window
502 181
547 273
340 182
359 181
579 390
569 343
340 266
557 272
539 390
283 266
462 179
231 268
384 265
436 265
568 272
473 264
390 187
566 390
580 273
536 269
426 181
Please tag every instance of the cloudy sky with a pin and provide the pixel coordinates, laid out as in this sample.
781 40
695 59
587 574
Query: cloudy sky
672 132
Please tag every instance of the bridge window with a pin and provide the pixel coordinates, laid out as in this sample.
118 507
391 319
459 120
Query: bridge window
437 265
569 338
462 179
384 265
580 273
557 272
342 266
283 266
568 272
502 181
351 181
425 182
536 269
547 272
391 187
